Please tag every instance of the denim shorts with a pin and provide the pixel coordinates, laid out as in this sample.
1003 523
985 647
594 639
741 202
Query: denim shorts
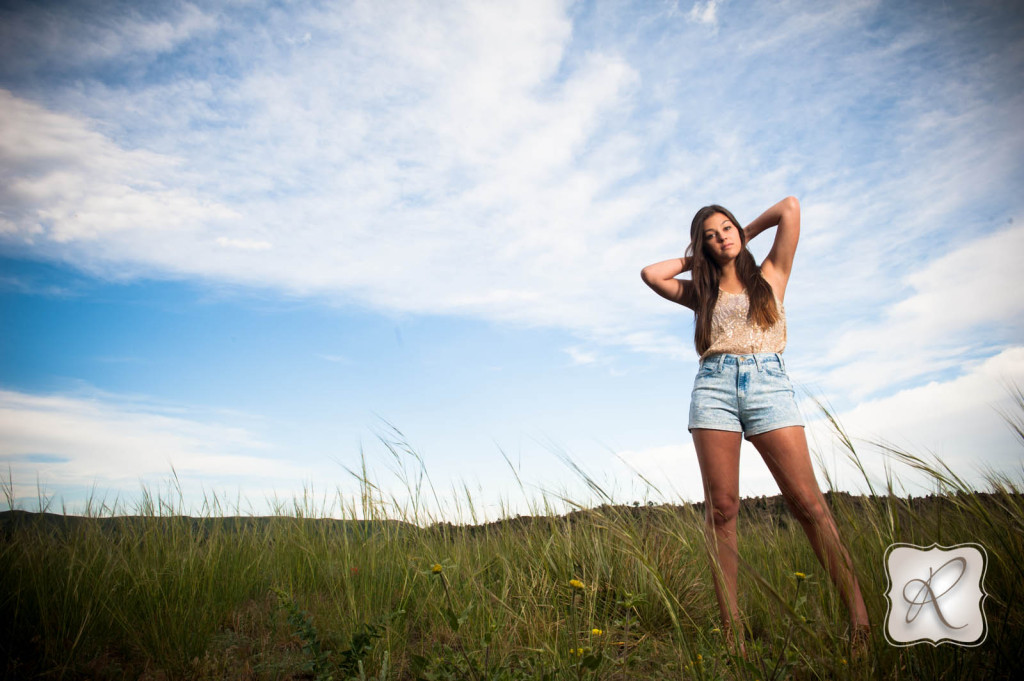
749 394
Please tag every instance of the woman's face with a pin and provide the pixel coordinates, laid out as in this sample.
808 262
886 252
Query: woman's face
722 240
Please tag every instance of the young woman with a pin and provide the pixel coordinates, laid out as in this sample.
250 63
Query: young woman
742 389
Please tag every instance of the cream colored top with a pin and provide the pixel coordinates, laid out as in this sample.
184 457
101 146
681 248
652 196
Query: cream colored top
733 333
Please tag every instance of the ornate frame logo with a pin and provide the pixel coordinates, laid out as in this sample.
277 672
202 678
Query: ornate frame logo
936 594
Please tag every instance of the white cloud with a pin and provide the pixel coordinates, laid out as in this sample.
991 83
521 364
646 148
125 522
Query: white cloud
673 472
469 183
705 12
802 23
244 244
74 443
970 286
497 161
335 359
671 469
70 184
958 420
935 325
581 356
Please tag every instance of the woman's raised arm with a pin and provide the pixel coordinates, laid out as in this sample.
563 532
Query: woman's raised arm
786 215
661 276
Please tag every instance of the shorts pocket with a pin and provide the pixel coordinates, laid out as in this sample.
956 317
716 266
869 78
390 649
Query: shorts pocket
707 370
779 382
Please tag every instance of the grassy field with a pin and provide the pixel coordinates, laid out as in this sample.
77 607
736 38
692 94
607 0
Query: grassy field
613 592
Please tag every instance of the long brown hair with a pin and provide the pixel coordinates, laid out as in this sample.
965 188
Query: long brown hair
707 273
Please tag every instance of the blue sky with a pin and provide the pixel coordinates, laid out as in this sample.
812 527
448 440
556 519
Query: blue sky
255 241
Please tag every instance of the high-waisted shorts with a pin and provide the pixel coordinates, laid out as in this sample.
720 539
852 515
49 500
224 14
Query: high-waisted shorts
749 394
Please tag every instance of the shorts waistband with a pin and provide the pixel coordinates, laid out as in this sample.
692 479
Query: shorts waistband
757 358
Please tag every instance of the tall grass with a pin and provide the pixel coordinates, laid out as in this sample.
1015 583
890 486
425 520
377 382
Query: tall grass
612 592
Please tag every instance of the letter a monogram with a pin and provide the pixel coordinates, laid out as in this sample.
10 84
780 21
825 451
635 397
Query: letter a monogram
936 594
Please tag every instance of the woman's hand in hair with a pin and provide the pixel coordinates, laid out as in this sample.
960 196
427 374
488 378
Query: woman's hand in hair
661 276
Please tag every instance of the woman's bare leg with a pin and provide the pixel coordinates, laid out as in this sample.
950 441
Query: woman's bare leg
785 452
718 452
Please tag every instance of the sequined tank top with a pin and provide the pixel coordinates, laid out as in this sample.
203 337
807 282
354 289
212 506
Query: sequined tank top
734 334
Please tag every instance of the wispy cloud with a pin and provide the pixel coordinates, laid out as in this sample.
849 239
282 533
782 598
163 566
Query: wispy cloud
336 359
77 442
70 36
71 185
959 420
26 286
705 12
579 355
244 244
960 306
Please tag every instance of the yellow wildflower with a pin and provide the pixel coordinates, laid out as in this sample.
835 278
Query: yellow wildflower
575 583
596 632
436 568
800 576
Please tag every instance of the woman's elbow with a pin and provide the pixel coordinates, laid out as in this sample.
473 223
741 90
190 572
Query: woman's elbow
791 203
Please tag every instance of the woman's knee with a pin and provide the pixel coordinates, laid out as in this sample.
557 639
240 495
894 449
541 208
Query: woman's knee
721 509
809 509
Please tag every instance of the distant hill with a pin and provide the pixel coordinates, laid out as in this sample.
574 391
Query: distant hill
11 521
772 509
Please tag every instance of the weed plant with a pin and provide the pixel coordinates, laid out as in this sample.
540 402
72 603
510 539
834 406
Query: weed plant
389 592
